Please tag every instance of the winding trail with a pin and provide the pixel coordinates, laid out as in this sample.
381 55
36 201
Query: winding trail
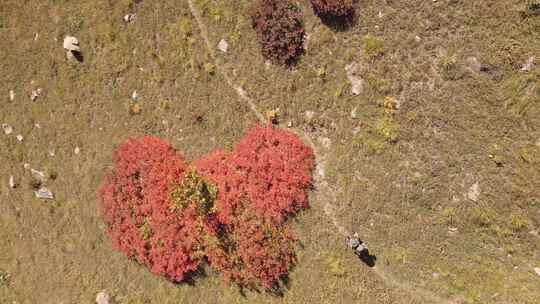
323 191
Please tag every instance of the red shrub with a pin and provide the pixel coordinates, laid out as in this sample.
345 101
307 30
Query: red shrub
232 209
252 251
135 201
279 28
276 168
334 11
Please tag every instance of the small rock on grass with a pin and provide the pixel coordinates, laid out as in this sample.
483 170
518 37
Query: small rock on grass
357 83
529 65
129 18
20 137
223 46
12 183
71 44
77 150
44 193
35 94
537 270
102 297
11 95
474 192
7 129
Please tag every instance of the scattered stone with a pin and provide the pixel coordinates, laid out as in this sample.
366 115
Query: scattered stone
135 95
474 192
7 129
417 38
309 115
474 64
357 83
37 126
290 124
533 233
77 150
102 298
537 270
44 193
223 46
11 95
321 171
435 275
52 152
38 174
129 18
380 14
529 65
20 138
353 112
12 183
26 166
71 44
35 94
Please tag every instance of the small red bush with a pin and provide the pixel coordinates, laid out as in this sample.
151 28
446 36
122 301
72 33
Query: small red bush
252 251
278 24
135 201
334 11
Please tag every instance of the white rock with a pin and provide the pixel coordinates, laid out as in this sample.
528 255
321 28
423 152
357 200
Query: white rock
38 174
474 64
44 193
7 129
36 36
417 38
37 126
353 112
537 270
474 192
35 94
290 124
12 182
20 137
357 83
309 115
135 95
129 17
71 44
102 298
380 14
52 152
77 150
529 65
11 95
26 166
223 46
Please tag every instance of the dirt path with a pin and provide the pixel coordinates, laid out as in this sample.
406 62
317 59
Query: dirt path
323 191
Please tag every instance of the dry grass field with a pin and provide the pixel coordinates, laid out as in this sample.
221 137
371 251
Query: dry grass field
444 187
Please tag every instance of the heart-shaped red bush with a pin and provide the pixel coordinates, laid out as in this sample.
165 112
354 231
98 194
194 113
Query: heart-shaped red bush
230 207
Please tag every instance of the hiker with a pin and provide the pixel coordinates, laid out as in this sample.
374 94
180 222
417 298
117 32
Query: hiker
356 244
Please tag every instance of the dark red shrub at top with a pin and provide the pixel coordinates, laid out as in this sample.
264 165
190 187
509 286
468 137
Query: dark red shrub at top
278 24
135 201
335 12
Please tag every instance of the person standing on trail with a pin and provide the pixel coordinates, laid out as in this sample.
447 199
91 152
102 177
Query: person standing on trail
356 244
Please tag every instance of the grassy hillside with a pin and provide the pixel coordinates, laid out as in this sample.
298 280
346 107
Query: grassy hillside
445 189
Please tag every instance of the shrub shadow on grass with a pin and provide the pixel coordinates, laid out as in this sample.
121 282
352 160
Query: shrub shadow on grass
367 258
339 23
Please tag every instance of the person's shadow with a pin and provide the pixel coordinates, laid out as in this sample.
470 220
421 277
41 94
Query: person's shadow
367 258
